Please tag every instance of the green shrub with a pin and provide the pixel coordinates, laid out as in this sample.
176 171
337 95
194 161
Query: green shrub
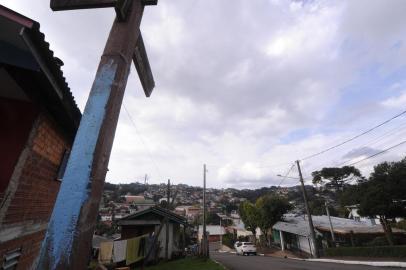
378 241
382 251
228 240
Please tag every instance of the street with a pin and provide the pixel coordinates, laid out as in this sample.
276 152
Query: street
234 262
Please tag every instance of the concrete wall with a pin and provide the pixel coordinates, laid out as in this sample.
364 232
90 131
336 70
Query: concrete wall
162 240
31 191
304 244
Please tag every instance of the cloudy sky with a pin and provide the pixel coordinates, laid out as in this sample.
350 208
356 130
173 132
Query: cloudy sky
245 86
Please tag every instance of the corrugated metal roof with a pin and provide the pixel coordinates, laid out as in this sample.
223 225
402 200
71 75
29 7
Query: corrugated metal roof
15 25
158 211
299 225
212 229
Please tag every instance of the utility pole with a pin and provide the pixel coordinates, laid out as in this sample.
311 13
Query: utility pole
69 234
168 197
204 239
309 215
331 224
221 235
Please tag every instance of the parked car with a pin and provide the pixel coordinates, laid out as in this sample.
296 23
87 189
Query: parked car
245 248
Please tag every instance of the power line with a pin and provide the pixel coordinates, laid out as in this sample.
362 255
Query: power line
379 153
376 140
286 175
355 137
142 141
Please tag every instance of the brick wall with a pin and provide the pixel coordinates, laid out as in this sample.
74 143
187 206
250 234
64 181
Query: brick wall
30 246
34 198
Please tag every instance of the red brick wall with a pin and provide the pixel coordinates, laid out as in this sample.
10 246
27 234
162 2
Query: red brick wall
214 238
33 201
30 246
17 118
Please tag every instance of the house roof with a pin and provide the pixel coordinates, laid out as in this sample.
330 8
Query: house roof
212 229
156 211
27 58
145 202
300 226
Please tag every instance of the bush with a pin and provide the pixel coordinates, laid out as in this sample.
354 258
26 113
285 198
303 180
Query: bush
383 251
378 241
228 240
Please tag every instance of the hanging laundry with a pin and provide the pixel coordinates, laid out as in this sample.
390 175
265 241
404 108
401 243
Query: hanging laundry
106 252
119 250
133 245
136 249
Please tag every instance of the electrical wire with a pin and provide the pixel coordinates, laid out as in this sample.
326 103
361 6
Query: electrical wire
355 137
287 174
379 153
376 140
142 141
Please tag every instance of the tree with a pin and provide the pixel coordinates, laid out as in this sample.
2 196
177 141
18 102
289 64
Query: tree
271 209
384 195
250 216
336 178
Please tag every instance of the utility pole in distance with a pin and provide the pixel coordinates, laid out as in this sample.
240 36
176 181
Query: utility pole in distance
331 224
204 239
168 194
309 215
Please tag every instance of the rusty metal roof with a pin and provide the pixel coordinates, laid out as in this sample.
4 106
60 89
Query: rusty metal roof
157 210
26 54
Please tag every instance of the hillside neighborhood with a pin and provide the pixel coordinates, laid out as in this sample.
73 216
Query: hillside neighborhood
274 137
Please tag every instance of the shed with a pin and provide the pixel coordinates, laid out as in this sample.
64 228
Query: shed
149 221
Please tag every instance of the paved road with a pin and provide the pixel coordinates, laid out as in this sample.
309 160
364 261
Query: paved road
234 262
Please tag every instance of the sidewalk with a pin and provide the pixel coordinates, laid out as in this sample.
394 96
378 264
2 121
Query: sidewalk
370 263
384 262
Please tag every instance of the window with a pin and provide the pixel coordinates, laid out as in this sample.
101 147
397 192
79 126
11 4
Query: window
10 259
62 166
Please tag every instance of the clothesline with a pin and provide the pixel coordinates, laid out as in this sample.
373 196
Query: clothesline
130 250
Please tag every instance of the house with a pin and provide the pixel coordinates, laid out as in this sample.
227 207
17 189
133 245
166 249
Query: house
353 214
143 204
133 198
39 120
293 232
213 232
149 222
240 232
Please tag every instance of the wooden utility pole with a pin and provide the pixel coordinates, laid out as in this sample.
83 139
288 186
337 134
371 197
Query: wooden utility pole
204 239
309 215
168 197
69 235
331 224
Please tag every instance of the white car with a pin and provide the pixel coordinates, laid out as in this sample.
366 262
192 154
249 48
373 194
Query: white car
245 248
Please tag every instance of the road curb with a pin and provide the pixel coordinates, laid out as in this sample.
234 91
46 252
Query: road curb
382 264
219 263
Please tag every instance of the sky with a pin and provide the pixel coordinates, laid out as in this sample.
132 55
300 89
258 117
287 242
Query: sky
246 87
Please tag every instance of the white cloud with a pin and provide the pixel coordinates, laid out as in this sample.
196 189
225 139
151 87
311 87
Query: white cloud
396 102
246 88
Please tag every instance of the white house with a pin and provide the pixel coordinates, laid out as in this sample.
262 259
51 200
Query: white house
294 233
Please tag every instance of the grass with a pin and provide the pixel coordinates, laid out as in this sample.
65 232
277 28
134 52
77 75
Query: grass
190 263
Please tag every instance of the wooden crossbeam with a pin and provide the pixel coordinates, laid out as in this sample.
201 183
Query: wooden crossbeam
57 5
141 63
